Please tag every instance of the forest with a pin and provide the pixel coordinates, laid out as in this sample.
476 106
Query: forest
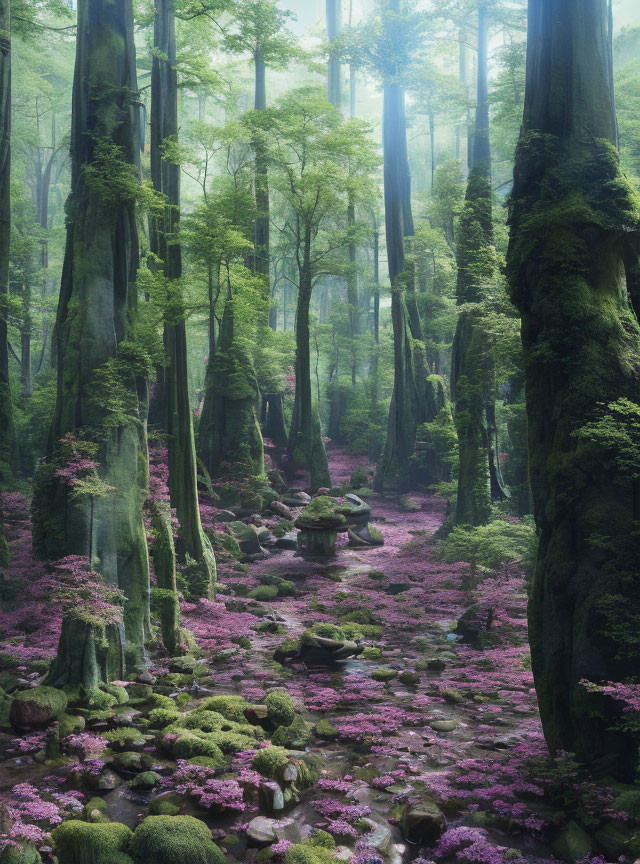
319 431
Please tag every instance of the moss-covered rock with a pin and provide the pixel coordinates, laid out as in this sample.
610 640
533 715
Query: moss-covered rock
309 853
189 744
280 708
270 762
36 708
173 839
167 804
95 810
232 707
77 842
384 673
293 737
161 717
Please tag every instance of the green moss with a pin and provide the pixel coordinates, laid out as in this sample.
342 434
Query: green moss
78 842
161 717
96 811
325 729
205 721
188 745
308 853
280 708
69 724
264 593
293 737
172 839
45 703
165 805
270 762
384 673
231 707
120 693
371 653
322 839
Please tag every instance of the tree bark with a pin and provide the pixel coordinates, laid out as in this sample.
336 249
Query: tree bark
394 464
6 413
95 324
306 447
575 231
334 74
472 376
165 176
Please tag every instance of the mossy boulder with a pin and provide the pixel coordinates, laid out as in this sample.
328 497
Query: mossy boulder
384 673
280 708
232 707
293 737
270 762
167 804
572 844
309 853
264 593
188 745
174 840
95 810
326 730
24 854
36 708
77 842
161 717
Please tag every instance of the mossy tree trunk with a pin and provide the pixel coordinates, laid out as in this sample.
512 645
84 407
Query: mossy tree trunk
575 228
230 439
306 448
6 413
472 376
96 355
394 467
165 175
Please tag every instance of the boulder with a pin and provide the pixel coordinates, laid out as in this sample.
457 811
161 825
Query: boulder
367 535
36 708
572 843
474 624
359 508
321 651
281 509
262 831
423 823
287 541
247 538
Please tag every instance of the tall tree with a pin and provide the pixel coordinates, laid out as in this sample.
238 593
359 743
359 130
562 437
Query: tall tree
165 175
261 31
334 70
575 230
102 391
472 370
6 414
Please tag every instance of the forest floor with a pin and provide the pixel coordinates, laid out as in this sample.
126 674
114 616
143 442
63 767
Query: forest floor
421 717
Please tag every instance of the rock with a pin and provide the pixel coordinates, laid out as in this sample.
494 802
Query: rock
474 624
396 588
108 781
436 665
36 708
326 730
146 678
287 541
368 535
225 516
320 651
359 508
572 843
409 505
443 725
281 509
129 762
423 823
409 678
261 831
380 836
296 499
145 780
247 538
617 841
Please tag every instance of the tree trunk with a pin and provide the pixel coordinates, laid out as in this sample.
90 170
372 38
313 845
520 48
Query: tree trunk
394 465
6 413
261 254
165 176
306 447
95 324
575 230
472 376
334 76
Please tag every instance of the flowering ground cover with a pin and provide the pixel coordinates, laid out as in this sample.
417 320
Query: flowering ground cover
424 743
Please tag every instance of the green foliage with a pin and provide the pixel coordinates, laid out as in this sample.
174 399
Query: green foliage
615 438
499 542
270 762
231 707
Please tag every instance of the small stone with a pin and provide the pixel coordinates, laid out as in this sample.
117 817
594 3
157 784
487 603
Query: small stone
380 836
281 509
261 831
443 725
145 780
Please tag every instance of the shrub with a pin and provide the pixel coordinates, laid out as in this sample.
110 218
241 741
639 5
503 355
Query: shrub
78 842
492 545
270 761
231 707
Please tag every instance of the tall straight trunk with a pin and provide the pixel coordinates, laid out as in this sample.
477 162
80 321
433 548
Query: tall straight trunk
6 413
26 323
352 289
334 72
306 447
95 330
432 136
165 176
472 375
394 464
376 281
353 81
575 232
261 253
